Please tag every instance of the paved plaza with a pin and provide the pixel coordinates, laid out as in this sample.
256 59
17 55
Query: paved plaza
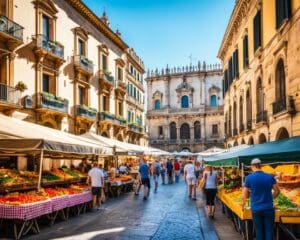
168 214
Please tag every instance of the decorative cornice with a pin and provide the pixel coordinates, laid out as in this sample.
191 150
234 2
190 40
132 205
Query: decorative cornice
88 14
239 12
47 5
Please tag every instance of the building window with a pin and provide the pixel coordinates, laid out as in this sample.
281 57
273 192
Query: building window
131 69
230 73
173 131
259 96
234 116
120 108
283 11
197 130
46 27
280 81
257 30
226 85
81 50
241 113
103 62
82 95
129 116
215 129
249 109
157 104
245 52
235 64
46 83
160 131
104 103
213 100
120 74
185 102
185 131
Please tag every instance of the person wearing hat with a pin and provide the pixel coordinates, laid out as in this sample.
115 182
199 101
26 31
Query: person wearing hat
258 186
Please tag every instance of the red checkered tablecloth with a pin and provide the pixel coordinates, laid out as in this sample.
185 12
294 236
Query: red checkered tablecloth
60 202
26 211
80 198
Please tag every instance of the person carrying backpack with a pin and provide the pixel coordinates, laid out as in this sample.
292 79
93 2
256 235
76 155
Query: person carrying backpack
156 172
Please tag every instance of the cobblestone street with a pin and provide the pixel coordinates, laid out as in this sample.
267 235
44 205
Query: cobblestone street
168 214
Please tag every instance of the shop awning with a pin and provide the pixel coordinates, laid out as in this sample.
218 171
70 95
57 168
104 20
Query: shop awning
123 148
282 151
24 136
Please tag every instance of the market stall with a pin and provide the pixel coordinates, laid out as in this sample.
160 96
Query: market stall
280 158
53 186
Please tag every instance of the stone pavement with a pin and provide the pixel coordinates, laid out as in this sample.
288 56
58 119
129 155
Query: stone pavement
167 214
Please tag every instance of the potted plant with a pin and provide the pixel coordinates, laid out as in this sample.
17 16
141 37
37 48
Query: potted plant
20 86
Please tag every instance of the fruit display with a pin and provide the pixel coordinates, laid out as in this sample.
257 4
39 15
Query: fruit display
60 173
22 198
80 187
293 194
283 203
13 177
121 178
49 176
232 178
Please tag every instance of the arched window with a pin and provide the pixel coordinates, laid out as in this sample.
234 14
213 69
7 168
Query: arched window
173 131
249 110
185 131
259 96
157 104
197 130
213 100
241 114
234 119
280 81
185 102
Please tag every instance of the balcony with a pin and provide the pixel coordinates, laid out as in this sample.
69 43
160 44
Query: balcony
106 116
261 117
158 141
121 85
9 95
234 132
185 141
135 127
120 121
284 105
55 103
83 64
54 49
86 112
10 32
173 141
249 125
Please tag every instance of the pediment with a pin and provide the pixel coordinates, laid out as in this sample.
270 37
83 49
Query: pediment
157 94
214 88
47 5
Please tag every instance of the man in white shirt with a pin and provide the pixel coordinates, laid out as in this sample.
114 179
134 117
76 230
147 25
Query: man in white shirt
96 180
190 177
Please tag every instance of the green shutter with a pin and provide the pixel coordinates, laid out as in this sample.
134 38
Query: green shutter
257 30
245 52
237 63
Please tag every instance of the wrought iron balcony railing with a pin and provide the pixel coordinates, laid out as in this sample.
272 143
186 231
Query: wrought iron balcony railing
261 116
50 46
282 105
9 94
49 101
87 112
85 63
10 27
134 127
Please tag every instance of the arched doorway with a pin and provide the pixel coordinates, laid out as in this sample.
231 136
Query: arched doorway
185 131
262 138
186 149
282 133
173 131
251 141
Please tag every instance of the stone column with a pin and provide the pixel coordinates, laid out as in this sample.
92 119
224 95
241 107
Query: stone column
149 90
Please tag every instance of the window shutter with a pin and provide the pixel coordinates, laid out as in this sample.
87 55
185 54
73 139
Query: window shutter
245 52
230 71
226 80
257 30
233 65
237 63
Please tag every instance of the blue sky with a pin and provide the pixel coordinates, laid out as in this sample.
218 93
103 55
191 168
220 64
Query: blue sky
169 31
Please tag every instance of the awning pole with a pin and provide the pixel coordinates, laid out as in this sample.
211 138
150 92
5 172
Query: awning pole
41 169
243 174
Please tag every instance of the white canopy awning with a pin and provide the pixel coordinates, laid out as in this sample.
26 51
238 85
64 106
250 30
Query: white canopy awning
26 136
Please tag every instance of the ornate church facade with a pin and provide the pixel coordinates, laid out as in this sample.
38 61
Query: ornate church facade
185 108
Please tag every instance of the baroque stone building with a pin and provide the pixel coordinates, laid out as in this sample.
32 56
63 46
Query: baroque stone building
76 69
261 55
185 108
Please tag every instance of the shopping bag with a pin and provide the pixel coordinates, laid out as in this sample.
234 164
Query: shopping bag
201 183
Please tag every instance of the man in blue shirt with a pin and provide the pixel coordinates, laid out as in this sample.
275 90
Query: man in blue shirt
259 186
144 171
170 171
